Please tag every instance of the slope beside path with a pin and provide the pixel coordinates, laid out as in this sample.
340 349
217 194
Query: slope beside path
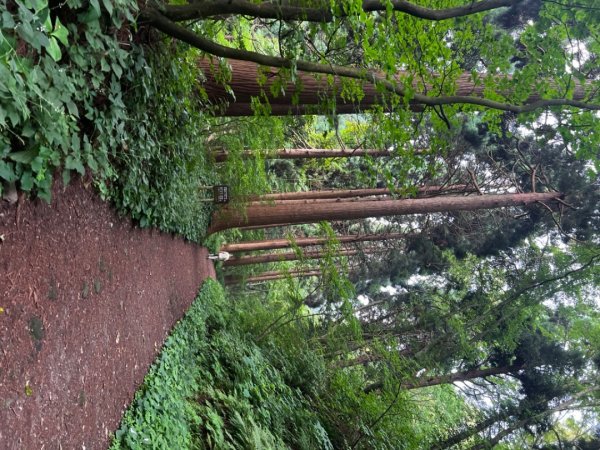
87 300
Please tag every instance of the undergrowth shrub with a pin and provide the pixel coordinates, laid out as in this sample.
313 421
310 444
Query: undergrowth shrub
157 177
161 415
83 90
78 92
213 388
61 100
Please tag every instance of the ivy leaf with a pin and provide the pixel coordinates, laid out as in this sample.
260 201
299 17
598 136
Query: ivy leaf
28 129
25 156
96 6
48 23
7 20
61 33
74 163
66 177
7 171
72 108
54 50
91 15
37 5
117 70
44 188
27 180
108 5
92 163
26 33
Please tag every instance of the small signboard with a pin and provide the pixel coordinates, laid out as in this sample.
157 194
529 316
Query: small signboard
221 193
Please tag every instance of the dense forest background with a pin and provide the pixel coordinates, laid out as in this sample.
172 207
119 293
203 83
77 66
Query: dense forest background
413 216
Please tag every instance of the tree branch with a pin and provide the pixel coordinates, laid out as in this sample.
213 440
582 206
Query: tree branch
323 14
155 18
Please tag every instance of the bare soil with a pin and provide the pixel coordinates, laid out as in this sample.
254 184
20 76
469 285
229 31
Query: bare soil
87 300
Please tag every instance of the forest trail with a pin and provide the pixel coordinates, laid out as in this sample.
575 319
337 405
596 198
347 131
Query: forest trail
87 300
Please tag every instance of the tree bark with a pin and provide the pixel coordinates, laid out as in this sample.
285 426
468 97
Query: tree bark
296 214
305 153
394 87
244 84
272 244
321 13
450 378
349 193
276 257
314 87
273 275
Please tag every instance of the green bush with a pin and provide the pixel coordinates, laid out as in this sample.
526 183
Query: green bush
61 100
77 94
212 387
162 414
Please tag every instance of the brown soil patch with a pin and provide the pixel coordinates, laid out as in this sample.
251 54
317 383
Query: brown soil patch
87 301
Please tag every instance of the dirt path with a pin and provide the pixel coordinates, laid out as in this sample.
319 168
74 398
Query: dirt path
87 301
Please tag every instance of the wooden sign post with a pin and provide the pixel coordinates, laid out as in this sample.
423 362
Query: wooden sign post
220 194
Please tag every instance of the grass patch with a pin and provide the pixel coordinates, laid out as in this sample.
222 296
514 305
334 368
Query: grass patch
53 289
97 286
212 387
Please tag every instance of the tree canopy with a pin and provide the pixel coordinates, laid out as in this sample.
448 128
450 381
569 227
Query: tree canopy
530 58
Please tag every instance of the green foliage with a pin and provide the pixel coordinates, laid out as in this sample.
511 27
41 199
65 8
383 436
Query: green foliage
212 387
77 94
258 135
242 389
162 413
159 171
61 99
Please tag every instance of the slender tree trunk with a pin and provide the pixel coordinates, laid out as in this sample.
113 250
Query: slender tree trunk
469 432
276 257
273 275
305 153
295 214
351 193
565 405
318 11
450 378
271 244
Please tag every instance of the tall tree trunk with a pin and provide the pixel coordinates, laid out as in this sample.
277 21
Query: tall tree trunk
295 214
350 193
260 227
244 84
309 98
272 244
450 378
305 153
273 275
276 257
